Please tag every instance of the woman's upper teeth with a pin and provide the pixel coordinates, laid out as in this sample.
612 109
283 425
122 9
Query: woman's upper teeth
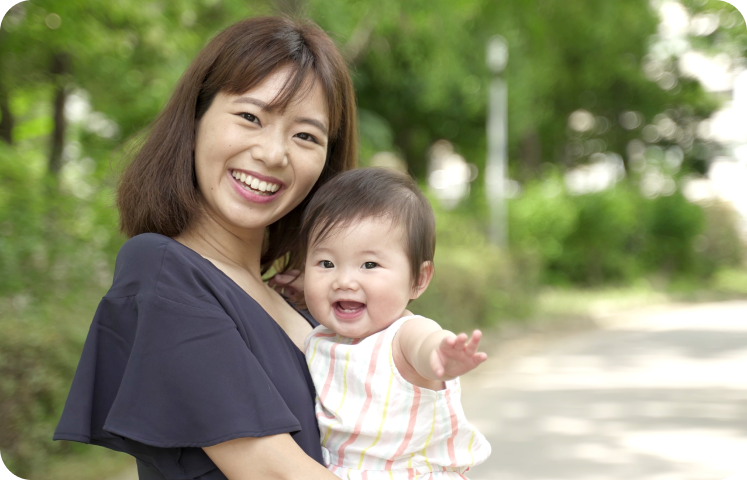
254 183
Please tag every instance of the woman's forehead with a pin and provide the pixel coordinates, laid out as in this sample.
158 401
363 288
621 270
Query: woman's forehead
283 88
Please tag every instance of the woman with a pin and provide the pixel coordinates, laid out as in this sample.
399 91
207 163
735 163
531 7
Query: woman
193 363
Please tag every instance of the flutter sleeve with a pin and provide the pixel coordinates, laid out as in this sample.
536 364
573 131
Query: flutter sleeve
192 381
188 380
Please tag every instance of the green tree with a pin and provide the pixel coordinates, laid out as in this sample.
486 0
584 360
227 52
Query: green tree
420 66
126 55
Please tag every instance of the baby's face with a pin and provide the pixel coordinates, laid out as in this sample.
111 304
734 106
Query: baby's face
357 281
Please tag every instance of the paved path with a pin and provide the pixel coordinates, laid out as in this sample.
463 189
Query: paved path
652 395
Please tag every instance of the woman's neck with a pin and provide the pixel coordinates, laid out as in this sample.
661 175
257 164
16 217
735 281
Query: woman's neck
240 248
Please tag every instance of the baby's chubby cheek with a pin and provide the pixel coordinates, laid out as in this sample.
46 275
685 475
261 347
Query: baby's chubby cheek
316 304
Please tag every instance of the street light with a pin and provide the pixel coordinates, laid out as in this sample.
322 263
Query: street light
495 166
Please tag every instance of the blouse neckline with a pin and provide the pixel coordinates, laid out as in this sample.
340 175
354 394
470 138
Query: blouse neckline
213 266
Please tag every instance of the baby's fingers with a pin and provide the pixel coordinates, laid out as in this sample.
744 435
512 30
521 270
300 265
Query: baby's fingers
449 344
460 341
479 357
473 343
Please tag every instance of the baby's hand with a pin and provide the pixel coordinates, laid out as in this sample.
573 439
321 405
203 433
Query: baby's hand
457 355
289 284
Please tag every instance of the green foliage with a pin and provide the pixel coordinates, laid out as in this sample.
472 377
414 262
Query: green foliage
56 254
21 209
617 235
39 350
719 246
51 241
670 227
732 281
729 36
415 67
601 245
126 54
475 283
541 220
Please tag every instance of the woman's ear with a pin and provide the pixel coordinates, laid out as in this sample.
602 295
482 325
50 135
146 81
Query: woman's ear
426 273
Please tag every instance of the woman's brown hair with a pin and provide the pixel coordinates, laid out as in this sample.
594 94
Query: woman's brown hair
158 191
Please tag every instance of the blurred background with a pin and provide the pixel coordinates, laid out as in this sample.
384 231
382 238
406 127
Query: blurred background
620 132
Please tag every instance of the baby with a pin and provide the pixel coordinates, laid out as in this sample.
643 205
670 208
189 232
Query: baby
387 382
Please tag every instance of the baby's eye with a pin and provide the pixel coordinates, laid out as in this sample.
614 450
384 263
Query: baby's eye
369 265
326 264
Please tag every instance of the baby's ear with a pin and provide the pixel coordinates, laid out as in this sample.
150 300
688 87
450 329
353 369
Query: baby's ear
426 273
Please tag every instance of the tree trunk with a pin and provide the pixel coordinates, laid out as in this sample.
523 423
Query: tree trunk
530 152
60 67
7 121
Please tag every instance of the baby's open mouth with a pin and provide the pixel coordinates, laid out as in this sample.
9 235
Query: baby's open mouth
349 307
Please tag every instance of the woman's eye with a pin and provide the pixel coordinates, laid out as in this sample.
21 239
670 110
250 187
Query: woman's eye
307 136
249 117
369 265
326 264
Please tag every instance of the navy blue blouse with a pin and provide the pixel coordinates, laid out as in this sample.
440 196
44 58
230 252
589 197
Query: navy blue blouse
179 357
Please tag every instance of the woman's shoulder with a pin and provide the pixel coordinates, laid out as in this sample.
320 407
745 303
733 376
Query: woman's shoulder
152 263
145 248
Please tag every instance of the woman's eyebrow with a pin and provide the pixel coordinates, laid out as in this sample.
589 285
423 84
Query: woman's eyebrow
253 101
312 121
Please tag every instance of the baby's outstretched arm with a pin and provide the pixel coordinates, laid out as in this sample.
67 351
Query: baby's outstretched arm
425 353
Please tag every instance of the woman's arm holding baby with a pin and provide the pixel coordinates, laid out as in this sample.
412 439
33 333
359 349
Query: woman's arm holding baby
426 355
276 457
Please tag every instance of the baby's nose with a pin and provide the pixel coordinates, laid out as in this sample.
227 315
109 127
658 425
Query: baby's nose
346 281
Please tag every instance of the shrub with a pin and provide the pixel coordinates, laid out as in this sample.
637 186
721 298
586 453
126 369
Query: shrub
541 220
670 227
37 363
616 235
599 248
720 245
587 239
475 283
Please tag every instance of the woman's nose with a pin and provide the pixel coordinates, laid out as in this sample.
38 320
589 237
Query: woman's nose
271 148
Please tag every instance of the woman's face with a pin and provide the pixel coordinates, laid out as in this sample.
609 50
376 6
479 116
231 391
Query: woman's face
254 165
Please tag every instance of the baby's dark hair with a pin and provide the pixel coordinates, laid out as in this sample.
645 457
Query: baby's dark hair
373 192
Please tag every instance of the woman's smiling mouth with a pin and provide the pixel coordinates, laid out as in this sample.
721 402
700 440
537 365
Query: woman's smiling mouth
253 184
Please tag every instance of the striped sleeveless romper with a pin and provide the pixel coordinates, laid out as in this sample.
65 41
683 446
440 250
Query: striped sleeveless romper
375 425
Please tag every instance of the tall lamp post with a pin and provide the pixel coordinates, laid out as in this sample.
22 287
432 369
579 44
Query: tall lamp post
495 167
